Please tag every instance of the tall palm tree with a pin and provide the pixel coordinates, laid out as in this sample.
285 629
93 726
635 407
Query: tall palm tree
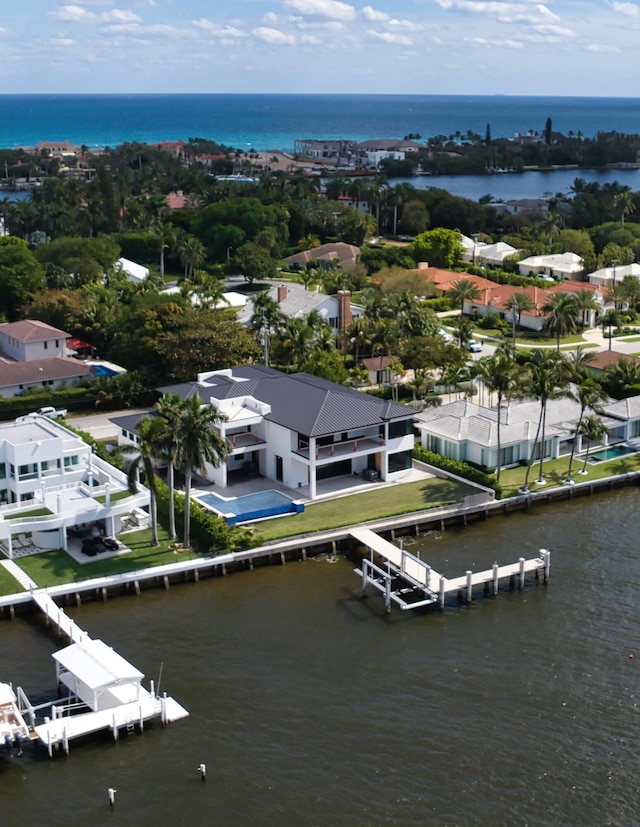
518 304
463 330
143 455
586 304
594 429
165 233
562 315
546 379
610 319
192 254
624 203
199 443
461 291
166 437
588 393
500 375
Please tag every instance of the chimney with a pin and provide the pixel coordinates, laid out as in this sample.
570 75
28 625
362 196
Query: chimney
344 309
423 265
282 293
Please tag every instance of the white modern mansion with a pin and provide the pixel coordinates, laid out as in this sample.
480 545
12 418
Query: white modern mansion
52 483
297 429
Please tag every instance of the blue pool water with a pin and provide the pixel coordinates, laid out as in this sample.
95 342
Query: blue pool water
612 453
251 507
101 370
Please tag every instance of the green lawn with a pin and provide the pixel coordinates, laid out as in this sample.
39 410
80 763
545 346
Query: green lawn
555 471
35 512
54 567
628 338
378 503
8 584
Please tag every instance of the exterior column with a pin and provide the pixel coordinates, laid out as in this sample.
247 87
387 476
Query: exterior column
312 468
10 544
64 540
107 494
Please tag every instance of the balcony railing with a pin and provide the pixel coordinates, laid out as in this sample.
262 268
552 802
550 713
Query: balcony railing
343 449
244 440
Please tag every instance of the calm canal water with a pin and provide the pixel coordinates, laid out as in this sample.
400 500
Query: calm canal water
312 707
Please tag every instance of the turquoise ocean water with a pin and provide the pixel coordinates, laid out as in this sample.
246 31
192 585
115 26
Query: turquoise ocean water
267 122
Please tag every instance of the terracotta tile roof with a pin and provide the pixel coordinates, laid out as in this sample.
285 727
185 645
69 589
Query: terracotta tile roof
32 331
609 358
497 297
444 279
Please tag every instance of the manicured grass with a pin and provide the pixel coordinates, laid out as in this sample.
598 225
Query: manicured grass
629 338
577 339
53 567
118 495
389 501
36 512
8 584
555 471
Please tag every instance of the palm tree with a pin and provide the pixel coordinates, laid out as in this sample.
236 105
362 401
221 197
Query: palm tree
610 319
144 453
463 330
594 430
624 202
166 438
500 375
586 303
297 337
562 315
166 236
518 304
192 254
545 380
463 290
588 393
199 443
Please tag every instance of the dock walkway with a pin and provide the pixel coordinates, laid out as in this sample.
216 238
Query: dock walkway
411 583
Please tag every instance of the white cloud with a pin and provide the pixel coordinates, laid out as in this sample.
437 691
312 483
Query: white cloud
61 41
599 47
389 37
627 9
374 16
218 31
78 14
73 14
560 31
504 12
407 25
273 36
333 9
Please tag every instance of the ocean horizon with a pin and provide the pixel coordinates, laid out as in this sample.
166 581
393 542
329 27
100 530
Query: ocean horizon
274 121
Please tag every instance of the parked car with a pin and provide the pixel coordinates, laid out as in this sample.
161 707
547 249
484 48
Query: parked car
444 334
50 411
474 346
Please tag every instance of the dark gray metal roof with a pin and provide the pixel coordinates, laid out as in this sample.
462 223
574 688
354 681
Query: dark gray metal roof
130 421
300 402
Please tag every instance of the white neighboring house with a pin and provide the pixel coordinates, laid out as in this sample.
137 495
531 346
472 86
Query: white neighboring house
295 303
297 429
34 355
230 299
493 255
134 272
557 265
44 464
608 276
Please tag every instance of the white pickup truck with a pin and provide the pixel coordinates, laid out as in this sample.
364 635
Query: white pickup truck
50 411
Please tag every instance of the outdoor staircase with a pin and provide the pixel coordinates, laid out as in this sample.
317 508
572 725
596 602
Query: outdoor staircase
15 571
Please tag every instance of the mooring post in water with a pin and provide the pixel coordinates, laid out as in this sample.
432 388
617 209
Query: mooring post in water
469 587
114 728
112 796
494 569
521 561
546 556
442 590
202 769
387 594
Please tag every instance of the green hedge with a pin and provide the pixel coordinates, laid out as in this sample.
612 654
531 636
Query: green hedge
71 398
213 533
460 469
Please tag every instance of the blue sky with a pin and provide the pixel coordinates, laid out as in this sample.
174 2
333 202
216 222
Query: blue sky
561 47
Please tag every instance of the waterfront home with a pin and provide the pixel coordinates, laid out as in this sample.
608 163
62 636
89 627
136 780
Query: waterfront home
466 431
494 255
46 467
134 272
34 355
556 265
295 302
298 430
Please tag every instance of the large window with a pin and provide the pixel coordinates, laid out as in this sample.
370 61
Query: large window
402 428
400 461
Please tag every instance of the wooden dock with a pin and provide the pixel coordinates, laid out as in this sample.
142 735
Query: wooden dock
104 689
410 583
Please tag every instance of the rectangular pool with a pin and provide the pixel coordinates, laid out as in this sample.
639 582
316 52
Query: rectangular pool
252 507
611 453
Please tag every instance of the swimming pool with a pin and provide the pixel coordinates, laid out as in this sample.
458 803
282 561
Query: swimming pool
611 453
252 507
